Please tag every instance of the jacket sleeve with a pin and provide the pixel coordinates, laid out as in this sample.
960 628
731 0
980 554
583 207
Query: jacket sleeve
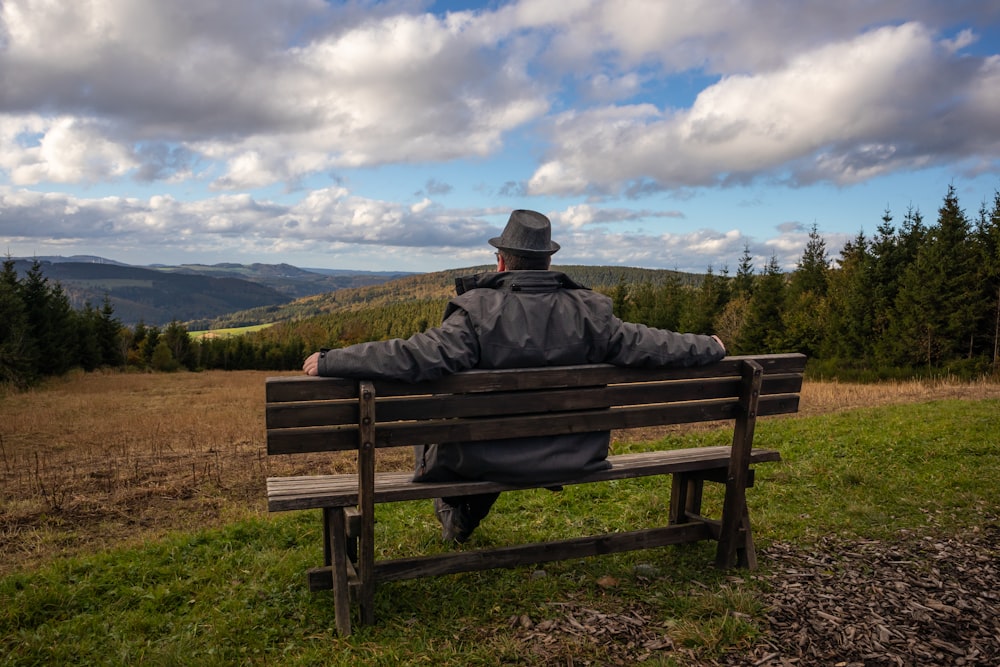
443 350
637 345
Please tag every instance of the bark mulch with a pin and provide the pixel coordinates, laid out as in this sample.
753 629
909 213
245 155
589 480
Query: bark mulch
914 601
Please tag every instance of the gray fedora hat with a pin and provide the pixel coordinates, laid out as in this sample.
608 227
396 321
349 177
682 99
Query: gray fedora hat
528 234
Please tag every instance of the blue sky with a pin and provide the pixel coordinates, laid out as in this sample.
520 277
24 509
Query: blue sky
400 135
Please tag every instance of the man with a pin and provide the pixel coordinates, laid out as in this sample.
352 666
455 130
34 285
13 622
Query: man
523 315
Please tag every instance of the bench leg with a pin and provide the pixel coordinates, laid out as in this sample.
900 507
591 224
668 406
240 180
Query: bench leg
685 497
746 554
335 529
736 548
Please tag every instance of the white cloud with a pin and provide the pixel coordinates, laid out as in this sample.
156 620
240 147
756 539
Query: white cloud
528 98
228 82
841 113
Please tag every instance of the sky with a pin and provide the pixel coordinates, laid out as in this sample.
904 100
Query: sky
399 135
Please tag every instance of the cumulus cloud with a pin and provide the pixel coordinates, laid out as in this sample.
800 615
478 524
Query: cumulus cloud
325 216
230 81
561 102
841 113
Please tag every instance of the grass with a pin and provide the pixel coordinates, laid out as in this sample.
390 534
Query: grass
233 592
230 331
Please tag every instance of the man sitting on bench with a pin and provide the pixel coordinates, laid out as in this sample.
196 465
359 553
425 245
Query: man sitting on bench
522 315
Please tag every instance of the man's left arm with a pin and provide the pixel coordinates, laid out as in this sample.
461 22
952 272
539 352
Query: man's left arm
633 344
443 350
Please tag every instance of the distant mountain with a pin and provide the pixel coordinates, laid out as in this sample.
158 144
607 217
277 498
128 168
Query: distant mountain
159 294
287 279
85 259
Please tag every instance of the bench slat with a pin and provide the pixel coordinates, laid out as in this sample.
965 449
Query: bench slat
316 413
400 434
539 552
315 491
301 387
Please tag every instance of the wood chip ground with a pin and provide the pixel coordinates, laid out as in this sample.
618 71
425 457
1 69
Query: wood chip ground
911 602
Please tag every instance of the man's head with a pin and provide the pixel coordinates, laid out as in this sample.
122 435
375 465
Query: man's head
526 241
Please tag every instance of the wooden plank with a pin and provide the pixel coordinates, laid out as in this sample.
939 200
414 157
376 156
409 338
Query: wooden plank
297 388
320 439
308 388
540 552
366 500
438 406
337 535
587 375
310 492
734 503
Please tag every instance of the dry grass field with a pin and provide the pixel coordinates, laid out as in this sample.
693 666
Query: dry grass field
92 461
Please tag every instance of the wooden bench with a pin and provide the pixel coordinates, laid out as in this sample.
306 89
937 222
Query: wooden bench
310 414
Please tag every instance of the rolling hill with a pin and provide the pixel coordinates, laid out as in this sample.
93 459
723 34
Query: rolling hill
439 285
156 295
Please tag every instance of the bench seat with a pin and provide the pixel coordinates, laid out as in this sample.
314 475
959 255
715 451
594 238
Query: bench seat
324 491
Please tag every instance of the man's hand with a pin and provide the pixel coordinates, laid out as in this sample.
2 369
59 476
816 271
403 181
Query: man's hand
311 364
719 341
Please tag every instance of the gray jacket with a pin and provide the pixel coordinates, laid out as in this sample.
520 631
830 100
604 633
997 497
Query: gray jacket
518 319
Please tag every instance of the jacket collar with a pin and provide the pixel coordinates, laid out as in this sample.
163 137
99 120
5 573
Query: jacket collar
517 281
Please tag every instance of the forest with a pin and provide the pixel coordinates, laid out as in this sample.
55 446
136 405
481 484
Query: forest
914 299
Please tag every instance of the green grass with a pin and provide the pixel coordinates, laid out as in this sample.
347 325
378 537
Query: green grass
232 331
238 595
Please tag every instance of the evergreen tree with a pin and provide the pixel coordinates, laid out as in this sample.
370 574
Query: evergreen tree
814 267
50 322
848 337
763 330
705 305
177 340
743 283
109 335
87 341
17 352
805 313
936 304
988 261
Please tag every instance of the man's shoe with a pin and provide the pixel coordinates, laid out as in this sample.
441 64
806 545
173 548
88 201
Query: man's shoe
454 524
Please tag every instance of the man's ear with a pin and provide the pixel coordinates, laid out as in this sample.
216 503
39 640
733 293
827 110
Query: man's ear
501 264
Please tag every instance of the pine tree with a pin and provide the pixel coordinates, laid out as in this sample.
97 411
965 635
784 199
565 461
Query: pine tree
51 322
848 336
936 304
706 304
17 352
763 330
813 270
988 261
177 340
743 283
109 334
805 313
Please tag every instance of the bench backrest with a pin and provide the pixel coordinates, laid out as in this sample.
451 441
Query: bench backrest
311 414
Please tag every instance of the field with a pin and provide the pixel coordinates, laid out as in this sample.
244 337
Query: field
125 471
232 331
96 460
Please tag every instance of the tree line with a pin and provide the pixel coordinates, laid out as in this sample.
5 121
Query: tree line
913 299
